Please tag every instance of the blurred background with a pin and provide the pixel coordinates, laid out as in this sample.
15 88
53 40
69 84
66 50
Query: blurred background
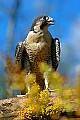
16 17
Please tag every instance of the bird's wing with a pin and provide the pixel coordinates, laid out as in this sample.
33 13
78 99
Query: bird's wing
55 52
21 57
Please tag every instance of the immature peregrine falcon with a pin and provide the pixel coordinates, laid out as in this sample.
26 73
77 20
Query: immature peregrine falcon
39 46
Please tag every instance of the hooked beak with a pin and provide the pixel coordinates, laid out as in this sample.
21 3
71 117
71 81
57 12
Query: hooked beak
51 21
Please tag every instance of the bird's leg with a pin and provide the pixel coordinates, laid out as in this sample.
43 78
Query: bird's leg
28 87
28 84
47 78
46 83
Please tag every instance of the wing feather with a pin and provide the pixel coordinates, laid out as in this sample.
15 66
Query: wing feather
55 52
21 57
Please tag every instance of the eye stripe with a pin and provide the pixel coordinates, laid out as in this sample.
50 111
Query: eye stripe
44 17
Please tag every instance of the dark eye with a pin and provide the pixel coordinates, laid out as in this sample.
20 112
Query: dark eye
44 17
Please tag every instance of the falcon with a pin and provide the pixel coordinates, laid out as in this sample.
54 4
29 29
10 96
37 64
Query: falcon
39 46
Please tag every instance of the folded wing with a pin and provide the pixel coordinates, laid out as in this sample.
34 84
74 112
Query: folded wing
55 53
21 57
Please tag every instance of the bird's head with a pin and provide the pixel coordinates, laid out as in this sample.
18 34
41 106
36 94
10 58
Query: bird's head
42 22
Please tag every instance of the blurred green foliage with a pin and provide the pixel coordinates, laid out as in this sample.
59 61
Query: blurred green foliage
49 103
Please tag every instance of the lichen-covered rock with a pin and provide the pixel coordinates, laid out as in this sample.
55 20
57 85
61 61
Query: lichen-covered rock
9 108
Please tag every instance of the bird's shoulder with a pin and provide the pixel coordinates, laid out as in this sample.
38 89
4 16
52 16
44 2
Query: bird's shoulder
19 48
